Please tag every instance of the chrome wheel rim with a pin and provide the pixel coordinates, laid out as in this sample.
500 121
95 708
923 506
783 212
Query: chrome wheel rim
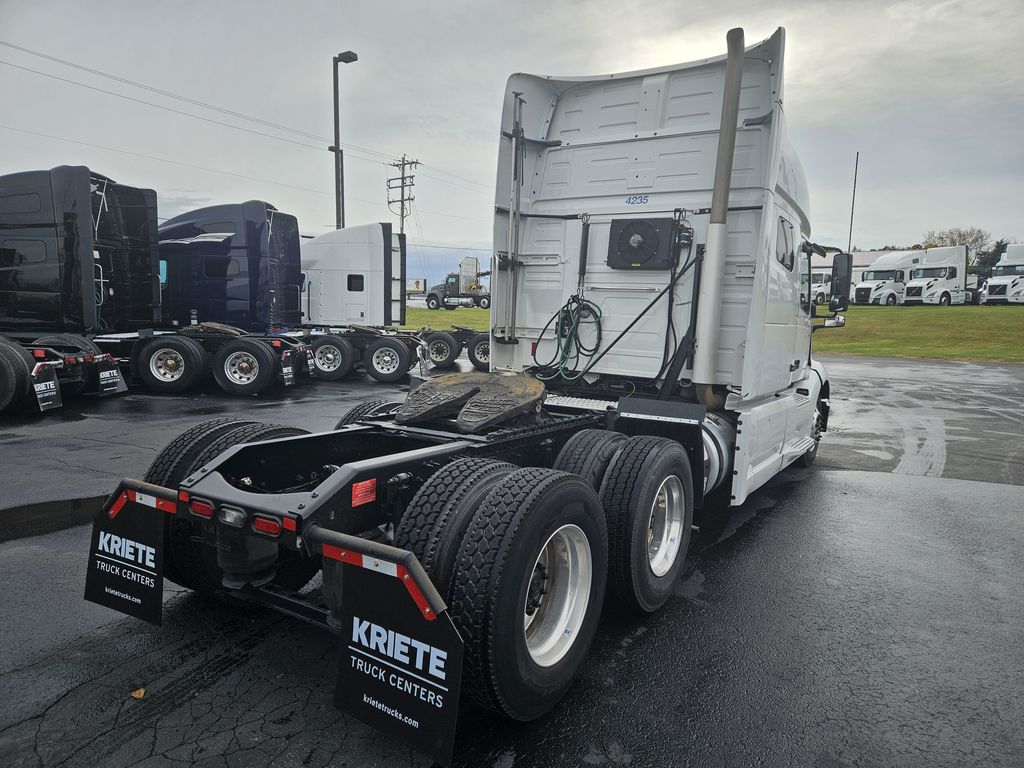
167 364
385 360
557 595
483 351
438 350
665 526
327 358
241 367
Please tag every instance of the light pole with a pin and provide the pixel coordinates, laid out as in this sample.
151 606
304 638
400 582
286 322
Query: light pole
347 57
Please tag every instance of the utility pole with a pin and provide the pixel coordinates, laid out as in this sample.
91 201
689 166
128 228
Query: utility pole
853 201
401 184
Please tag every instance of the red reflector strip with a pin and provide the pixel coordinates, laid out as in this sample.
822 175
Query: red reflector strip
289 524
267 525
387 568
201 508
414 593
39 354
364 492
117 505
183 496
275 343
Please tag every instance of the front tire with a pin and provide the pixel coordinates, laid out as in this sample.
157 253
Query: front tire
527 590
485 302
890 300
945 300
433 302
647 494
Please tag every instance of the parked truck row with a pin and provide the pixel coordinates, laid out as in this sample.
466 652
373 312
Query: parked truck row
924 276
94 294
466 538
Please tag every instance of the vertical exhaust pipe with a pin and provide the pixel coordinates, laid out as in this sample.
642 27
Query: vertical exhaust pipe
709 307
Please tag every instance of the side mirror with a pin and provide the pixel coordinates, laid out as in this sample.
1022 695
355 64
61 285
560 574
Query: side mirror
842 272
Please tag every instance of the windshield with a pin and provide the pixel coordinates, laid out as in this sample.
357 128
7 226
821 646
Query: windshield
879 274
819 279
917 274
1006 270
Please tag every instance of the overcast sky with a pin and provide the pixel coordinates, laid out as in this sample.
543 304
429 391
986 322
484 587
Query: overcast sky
930 93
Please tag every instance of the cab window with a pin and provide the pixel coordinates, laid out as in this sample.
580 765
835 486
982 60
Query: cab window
784 244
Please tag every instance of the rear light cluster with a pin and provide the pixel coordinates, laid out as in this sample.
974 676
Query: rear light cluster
235 517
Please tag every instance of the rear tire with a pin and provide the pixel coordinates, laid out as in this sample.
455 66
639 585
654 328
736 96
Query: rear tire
479 351
333 357
647 494
588 454
245 366
170 364
442 349
363 410
436 519
16 366
527 590
387 360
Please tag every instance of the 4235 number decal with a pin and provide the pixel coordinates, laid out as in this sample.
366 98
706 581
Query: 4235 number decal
636 200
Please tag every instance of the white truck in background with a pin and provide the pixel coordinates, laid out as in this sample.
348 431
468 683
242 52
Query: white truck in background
941 278
354 275
821 285
1006 286
885 280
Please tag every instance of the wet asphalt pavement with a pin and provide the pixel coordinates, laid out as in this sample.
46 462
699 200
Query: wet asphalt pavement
838 618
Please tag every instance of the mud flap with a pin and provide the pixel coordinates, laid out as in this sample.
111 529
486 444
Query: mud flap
110 380
400 667
126 557
44 386
287 372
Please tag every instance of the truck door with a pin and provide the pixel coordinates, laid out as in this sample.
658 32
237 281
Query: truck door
781 305
802 318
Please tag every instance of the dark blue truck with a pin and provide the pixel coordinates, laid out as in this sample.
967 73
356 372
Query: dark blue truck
93 292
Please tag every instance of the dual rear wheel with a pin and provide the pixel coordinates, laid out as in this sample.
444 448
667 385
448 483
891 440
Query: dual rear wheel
523 557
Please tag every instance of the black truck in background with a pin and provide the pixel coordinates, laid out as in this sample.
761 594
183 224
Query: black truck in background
93 292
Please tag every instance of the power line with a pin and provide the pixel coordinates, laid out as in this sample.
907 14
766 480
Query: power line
210 170
177 111
203 104
222 110
171 162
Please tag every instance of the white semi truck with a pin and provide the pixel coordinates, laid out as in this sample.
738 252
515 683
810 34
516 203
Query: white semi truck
885 280
466 537
941 278
821 285
1006 286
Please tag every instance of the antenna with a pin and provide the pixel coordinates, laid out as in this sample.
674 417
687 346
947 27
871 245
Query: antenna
853 201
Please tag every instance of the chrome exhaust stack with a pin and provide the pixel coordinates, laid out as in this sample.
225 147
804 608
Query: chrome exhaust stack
709 307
